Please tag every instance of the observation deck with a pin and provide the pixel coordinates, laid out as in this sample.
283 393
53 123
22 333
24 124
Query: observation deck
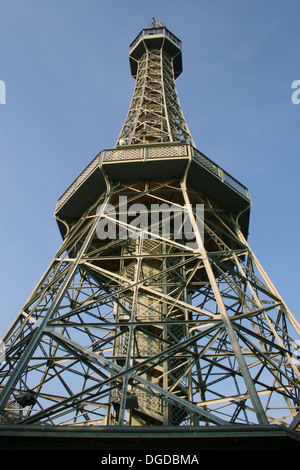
155 38
159 162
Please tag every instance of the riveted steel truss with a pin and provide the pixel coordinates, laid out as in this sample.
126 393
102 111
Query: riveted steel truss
155 114
136 323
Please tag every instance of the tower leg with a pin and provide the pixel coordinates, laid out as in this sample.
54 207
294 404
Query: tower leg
149 329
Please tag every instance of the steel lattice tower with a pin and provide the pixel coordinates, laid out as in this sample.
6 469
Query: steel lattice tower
154 311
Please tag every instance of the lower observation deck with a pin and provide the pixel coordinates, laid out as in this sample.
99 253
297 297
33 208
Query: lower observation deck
159 162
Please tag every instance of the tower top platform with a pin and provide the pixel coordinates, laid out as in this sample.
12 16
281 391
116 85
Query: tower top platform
156 38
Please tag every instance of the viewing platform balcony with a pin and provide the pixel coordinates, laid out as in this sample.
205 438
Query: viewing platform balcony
156 38
159 162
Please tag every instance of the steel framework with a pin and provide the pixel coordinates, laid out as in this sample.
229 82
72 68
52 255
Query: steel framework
154 311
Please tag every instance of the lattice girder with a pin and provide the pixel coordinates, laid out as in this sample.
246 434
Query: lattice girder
145 330
155 114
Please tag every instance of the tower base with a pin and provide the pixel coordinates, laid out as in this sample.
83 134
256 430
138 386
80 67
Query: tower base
151 441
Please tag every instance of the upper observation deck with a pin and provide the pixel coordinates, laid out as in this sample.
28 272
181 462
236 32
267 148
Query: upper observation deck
155 38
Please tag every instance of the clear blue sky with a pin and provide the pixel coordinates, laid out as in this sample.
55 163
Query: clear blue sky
68 88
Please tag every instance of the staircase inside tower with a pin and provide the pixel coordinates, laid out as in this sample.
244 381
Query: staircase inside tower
148 341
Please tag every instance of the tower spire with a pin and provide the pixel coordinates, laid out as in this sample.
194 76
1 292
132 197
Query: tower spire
156 22
155 114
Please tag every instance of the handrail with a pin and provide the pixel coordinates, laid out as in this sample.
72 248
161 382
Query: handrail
152 31
222 174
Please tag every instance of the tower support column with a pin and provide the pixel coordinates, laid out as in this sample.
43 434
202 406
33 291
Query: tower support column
223 313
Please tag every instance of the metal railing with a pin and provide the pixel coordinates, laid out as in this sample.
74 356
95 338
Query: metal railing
161 31
220 173
144 153
81 178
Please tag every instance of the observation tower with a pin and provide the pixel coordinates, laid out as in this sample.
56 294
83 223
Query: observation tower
154 316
